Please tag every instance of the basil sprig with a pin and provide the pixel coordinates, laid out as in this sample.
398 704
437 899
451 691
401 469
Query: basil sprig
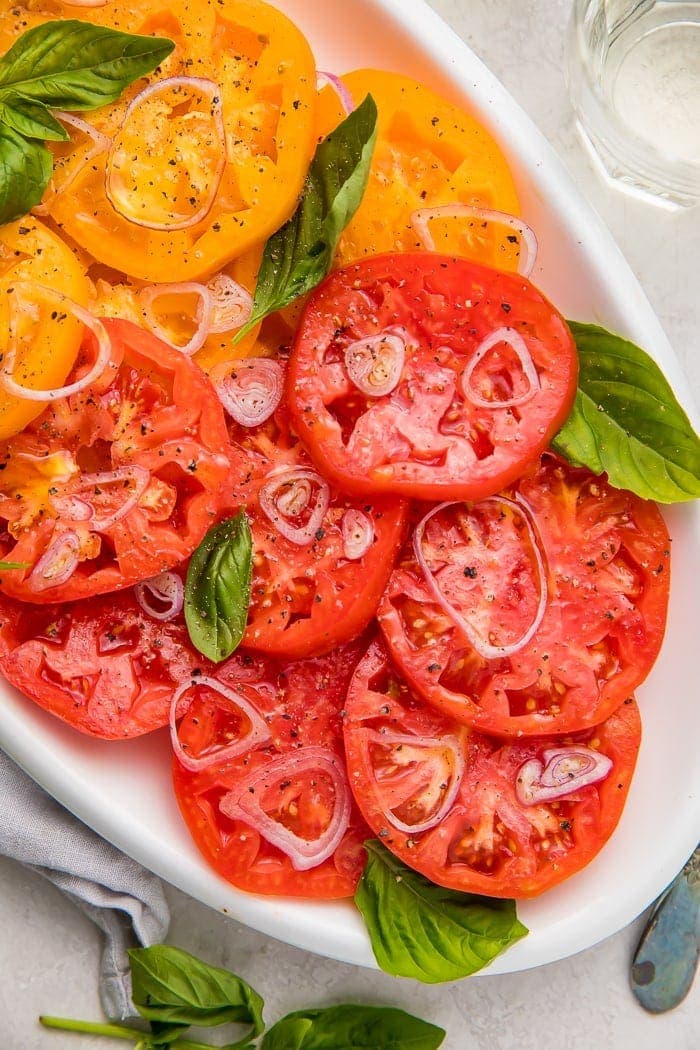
65 65
350 1027
217 589
421 930
300 254
626 421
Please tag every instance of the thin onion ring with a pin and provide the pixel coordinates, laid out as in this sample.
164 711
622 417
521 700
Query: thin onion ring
536 781
232 304
202 317
168 588
59 561
357 531
422 217
277 479
258 733
334 82
251 403
519 346
386 351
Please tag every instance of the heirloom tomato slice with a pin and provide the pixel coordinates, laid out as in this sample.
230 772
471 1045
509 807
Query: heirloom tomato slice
115 483
429 376
321 560
473 813
536 611
277 817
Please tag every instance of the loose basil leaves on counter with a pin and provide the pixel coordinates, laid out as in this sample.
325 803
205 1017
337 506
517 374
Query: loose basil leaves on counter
350 1027
421 930
217 589
627 422
300 254
63 65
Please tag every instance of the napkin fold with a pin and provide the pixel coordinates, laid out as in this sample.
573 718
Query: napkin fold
124 900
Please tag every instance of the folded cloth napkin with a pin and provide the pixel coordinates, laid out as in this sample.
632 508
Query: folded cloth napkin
121 897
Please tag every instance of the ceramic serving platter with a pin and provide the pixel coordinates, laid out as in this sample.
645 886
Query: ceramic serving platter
123 789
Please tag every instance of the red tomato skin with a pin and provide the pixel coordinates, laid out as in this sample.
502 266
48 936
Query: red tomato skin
580 827
182 442
500 300
629 646
303 712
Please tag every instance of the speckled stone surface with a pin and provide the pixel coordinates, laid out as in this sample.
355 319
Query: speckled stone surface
49 952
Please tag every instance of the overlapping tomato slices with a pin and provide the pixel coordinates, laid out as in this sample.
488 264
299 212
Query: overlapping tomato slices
429 376
472 813
260 778
535 611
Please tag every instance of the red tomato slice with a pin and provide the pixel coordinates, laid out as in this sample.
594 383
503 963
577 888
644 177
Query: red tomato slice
462 419
283 777
127 476
308 595
102 665
446 800
607 560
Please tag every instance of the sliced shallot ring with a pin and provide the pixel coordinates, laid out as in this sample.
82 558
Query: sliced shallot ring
250 389
385 351
202 317
141 479
450 742
482 647
357 532
168 589
519 347
231 304
258 733
104 350
72 507
57 564
422 217
334 82
304 477
207 87
243 804
537 782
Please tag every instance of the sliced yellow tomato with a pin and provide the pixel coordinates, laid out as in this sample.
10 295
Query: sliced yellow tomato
42 340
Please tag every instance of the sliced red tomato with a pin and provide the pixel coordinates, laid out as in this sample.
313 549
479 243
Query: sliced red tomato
116 483
321 560
264 817
429 376
473 813
536 611
102 665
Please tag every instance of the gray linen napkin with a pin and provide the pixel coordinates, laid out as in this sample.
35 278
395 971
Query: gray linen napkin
116 893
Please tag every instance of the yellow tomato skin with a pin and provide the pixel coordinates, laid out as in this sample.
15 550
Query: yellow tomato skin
46 341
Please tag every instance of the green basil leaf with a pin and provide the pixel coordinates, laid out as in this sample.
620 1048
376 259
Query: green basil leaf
75 65
31 119
173 988
421 930
350 1027
12 565
627 423
25 170
300 254
217 590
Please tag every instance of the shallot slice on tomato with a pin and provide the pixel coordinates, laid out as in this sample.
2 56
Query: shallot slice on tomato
561 772
334 82
258 732
231 304
288 494
479 644
135 479
202 317
245 803
519 346
162 596
358 534
116 193
100 145
422 217
250 390
407 754
375 364
104 350
58 562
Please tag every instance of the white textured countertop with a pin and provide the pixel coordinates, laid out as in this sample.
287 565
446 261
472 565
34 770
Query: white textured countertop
49 952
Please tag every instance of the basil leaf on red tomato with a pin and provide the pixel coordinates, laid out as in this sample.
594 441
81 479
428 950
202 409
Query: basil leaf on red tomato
217 590
299 255
352 1027
424 931
626 421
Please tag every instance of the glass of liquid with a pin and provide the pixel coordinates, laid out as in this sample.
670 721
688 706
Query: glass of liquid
633 69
